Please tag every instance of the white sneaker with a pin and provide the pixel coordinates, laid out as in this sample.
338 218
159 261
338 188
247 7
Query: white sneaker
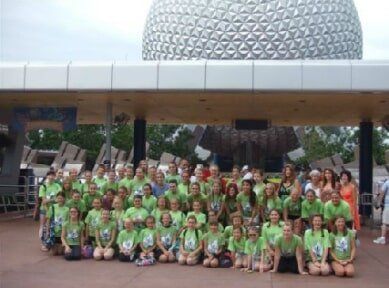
380 240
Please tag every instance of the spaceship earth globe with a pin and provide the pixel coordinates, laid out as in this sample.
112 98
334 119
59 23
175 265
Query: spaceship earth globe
252 29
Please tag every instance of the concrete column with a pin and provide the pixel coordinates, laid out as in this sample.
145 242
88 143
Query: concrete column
139 141
366 162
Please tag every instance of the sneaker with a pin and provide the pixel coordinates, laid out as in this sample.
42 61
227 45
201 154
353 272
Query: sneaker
380 240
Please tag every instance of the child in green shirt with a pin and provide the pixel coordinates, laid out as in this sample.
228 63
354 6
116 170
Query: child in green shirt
105 237
236 244
166 239
177 215
317 243
72 235
342 241
190 243
117 215
255 251
213 245
90 195
149 202
137 213
92 220
127 242
310 206
200 217
61 215
148 238
270 231
161 208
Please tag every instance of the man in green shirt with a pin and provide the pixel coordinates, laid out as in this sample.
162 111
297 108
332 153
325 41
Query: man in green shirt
336 208
138 182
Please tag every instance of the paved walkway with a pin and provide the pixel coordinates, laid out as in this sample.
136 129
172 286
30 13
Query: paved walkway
22 264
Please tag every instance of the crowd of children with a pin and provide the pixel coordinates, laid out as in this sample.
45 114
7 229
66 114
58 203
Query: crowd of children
243 221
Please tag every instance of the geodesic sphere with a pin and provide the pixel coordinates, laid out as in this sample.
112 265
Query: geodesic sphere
252 29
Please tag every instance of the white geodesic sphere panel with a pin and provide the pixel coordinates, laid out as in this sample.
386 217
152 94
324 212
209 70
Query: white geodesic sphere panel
252 29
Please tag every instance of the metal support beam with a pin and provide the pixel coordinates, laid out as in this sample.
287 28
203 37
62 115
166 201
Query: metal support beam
108 135
139 141
366 162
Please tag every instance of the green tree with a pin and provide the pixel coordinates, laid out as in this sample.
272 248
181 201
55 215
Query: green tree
322 142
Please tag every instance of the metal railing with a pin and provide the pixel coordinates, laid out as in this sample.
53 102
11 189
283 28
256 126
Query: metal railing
20 197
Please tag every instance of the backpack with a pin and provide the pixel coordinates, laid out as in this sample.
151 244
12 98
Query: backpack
48 239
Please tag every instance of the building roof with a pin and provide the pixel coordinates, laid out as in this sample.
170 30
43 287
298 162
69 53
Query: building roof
289 92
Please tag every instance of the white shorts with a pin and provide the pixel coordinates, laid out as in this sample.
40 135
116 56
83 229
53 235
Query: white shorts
385 216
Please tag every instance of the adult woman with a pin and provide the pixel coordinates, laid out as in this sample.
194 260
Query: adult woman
329 184
349 193
317 243
314 184
72 235
342 249
288 255
288 182
310 206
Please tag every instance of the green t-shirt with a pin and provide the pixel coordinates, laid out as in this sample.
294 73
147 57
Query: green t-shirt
136 186
259 189
308 209
148 237
175 177
157 213
73 232
166 235
93 221
204 187
244 201
126 182
342 209
110 185
61 215
200 197
178 218
149 203
85 188
341 244
236 246
272 203
118 218
228 231
137 214
213 241
88 199
181 197
216 201
288 248
271 232
254 247
49 192
294 208
190 240
77 185
183 188
316 242
80 205
106 231
200 217
100 182
128 239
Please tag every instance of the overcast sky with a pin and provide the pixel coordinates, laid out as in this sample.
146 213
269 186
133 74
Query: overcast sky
63 30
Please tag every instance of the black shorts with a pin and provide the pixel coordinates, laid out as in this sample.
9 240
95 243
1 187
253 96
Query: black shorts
288 264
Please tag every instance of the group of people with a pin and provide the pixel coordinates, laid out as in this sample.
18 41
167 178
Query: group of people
243 220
